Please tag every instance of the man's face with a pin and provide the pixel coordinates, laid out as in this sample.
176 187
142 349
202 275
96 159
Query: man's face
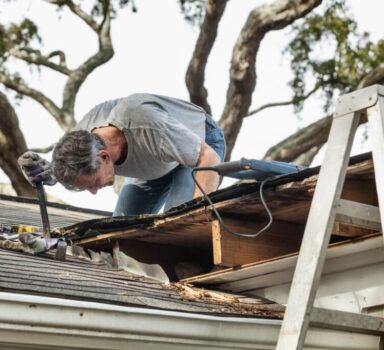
104 176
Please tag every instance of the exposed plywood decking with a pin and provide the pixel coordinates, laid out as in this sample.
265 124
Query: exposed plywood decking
340 256
288 202
230 250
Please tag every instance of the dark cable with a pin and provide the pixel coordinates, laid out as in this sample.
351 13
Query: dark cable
247 235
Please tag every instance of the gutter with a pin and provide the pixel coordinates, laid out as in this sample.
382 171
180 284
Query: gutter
27 320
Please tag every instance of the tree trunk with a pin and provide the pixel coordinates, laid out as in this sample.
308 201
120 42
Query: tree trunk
261 20
12 145
308 141
194 79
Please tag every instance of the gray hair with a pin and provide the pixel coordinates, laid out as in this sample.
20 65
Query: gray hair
74 155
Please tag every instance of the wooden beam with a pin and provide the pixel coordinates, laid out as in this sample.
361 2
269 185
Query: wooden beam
362 191
229 250
358 215
348 230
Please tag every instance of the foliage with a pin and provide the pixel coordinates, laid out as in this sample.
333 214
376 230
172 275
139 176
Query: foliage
17 36
22 36
20 43
328 49
99 7
193 11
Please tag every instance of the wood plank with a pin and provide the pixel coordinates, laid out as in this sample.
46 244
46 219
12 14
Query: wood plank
189 229
358 215
230 250
216 243
288 202
348 230
362 191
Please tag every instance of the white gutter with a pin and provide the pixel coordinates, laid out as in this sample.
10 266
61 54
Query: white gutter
33 322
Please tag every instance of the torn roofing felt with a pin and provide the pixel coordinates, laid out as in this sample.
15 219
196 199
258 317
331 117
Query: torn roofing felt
94 227
79 279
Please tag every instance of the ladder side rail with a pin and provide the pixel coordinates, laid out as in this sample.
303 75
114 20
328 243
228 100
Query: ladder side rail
376 126
317 232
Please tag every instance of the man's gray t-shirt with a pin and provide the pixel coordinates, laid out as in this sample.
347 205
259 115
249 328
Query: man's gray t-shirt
161 132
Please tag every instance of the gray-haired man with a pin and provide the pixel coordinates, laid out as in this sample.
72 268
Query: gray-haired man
154 141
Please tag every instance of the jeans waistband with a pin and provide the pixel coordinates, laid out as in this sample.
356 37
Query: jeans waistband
210 122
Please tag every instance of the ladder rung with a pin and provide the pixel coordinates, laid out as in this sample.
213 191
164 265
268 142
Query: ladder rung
358 214
347 321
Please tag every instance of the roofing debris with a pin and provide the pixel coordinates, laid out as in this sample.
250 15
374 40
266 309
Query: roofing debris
104 253
240 199
82 279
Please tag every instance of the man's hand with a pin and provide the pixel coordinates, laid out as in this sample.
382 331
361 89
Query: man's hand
36 169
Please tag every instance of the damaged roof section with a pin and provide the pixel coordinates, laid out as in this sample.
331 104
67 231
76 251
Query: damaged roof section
80 279
192 232
191 241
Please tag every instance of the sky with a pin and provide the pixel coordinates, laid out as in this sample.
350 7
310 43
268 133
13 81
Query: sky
152 51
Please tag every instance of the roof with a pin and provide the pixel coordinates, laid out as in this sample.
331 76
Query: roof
188 242
26 211
78 279
140 310
193 233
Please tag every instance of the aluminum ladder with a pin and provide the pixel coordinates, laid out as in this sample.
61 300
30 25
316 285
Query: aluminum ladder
326 204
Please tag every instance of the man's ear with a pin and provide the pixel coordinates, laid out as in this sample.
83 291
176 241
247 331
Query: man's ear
104 155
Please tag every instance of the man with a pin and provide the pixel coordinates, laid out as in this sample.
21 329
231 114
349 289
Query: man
154 141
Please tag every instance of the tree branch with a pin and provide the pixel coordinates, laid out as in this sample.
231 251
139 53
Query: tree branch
104 54
374 77
77 10
65 121
35 57
314 135
43 149
195 77
261 20
285 103
308 141
12 145
61 55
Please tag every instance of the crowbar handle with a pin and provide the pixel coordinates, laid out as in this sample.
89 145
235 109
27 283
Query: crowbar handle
43 209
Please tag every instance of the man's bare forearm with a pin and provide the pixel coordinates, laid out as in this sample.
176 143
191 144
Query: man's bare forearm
208 180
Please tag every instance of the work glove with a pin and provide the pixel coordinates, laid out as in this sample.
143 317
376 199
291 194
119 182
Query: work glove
35 243
36 169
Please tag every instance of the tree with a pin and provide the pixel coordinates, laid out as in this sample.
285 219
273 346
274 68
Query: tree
21 42
261 20
357 62
12 144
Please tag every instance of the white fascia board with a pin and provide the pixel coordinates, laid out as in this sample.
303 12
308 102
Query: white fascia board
33 322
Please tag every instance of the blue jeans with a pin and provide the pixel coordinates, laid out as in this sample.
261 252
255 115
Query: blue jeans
152 196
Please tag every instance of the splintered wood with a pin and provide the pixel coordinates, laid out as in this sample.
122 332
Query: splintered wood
289 204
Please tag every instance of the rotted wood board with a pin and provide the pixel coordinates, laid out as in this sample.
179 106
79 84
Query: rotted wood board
232 250
192 229
289 204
